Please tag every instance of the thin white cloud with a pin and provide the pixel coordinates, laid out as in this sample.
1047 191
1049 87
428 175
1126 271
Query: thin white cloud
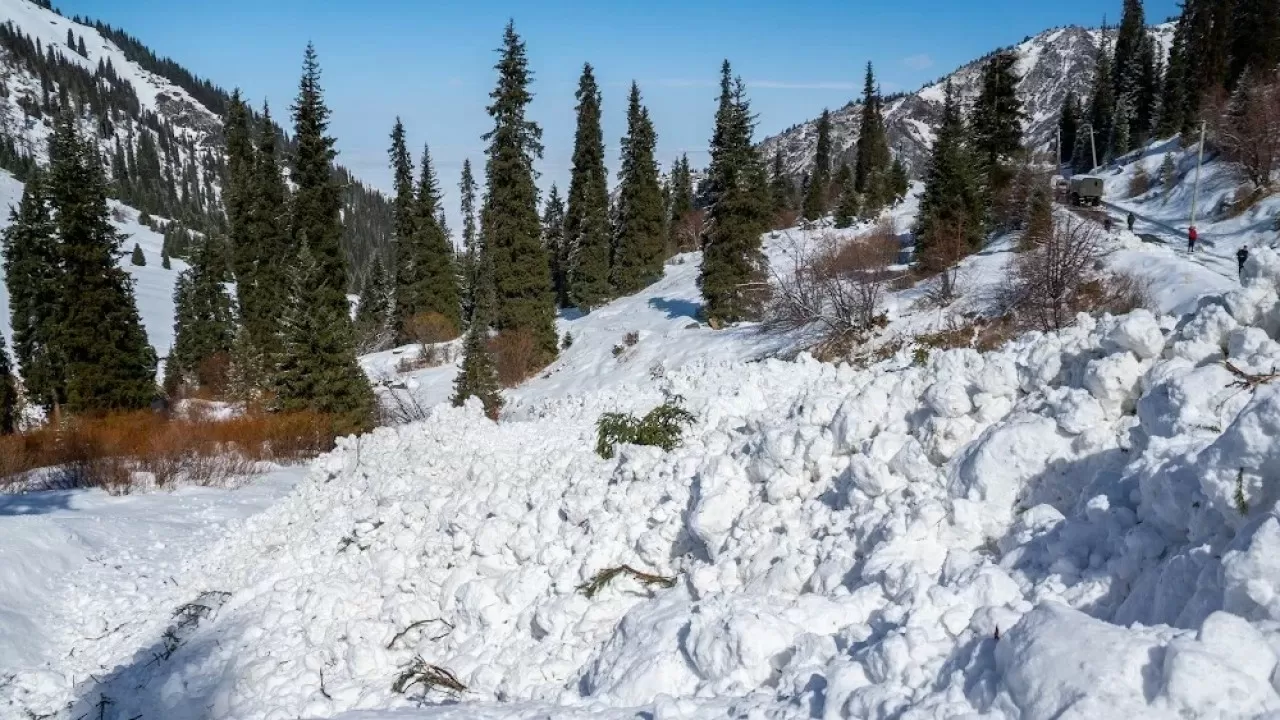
786 85
918 62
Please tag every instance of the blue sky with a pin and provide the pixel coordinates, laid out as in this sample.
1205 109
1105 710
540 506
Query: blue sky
431 62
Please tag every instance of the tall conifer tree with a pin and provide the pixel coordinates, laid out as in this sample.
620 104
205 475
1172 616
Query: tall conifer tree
402 229
373 325
872 164
8 393
780 187
733 270
34 277
557 249
681 205
108 363
587 215
509 222
204 326
435 278
319 371
637 258
816 197
952 201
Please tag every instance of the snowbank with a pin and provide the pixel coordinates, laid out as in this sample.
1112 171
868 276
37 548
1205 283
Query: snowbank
1081 525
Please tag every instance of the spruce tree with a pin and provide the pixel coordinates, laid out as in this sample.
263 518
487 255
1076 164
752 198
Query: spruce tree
1101 112
639 240
557 249
471 247
587 214
952 201
1068 127
1173 104
847 208
873 159
1255 37
434 290
267 225
108 363
1039 224
315 211
8 394
733 265
136 257
319 372
478 376
373 325
681 205
997 118
34 277
402 229
780 188
204 325
1127 68
815 199
899 181
509 221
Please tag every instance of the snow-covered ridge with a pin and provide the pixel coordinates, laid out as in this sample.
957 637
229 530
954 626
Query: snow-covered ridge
1082 524
1052 64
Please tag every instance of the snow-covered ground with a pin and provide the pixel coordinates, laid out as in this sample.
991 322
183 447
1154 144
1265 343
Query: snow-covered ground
1079 525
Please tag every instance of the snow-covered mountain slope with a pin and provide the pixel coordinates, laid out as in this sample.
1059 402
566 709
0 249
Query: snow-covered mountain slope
1051 64
152 284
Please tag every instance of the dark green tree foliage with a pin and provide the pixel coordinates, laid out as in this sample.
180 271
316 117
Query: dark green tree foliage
33 275
1068 127
99 335
899 181
872 164
780 187
164 260
204 325
733 265
433 286
402 204
477 280
557 249
478 376
1132 51
509 221
681 205
640 237
268 228
815 198
951 205
1102 109
1039 224
137 258
587 215
847 208
8 394
319 371
315 220
1255 37
997 114
1173 88
373 328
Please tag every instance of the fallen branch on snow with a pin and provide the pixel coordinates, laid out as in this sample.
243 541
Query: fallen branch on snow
419 624
430 676
1246 380
604 577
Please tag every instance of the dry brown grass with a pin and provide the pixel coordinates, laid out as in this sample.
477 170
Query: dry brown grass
107 452
430 328
1141 181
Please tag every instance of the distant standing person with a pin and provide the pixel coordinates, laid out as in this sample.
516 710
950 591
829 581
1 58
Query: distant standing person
1192 236
1131 220
1242 255
1106 223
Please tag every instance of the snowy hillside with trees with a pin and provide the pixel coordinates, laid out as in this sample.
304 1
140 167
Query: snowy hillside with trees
854 448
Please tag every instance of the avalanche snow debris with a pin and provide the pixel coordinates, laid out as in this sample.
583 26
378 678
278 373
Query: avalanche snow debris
1050 530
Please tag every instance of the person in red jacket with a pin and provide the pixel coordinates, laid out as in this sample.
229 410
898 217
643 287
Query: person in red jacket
1192 236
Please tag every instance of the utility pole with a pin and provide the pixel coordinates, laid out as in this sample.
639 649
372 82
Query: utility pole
1195 192
1093 146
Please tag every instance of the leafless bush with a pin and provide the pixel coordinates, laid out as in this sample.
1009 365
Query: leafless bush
687 231
836 285
430 328
1140 183
1049 283
1248 128
949 246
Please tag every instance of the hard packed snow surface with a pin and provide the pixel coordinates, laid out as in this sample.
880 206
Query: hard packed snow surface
1080 525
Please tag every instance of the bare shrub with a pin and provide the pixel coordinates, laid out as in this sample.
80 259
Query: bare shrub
430 328
632 338
950 245
516 354
687 231
1247 128
838 286
1048 283
1141 181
